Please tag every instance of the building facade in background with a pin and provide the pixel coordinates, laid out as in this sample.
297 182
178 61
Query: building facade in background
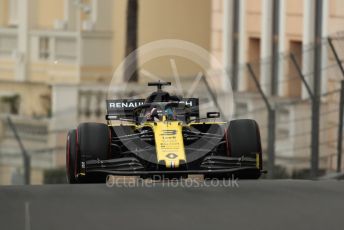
256 31
48 49
57 58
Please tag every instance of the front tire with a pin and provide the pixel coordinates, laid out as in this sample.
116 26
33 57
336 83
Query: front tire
90 141
71 157
94 144
243 138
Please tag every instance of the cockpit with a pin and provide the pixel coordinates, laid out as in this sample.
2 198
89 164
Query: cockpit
158 106
159 111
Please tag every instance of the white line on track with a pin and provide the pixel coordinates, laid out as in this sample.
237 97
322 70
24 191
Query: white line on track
27 216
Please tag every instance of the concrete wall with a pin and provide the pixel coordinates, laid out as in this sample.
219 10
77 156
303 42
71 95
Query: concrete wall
47 12
336 16
3 12
33 97
158 19
165 19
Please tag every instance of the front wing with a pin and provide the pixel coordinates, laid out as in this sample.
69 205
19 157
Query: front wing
211 166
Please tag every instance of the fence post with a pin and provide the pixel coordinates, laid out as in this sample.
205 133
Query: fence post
336 55
316 88
271 124
275 38
235 44
26 156
272 141
300 74
340 128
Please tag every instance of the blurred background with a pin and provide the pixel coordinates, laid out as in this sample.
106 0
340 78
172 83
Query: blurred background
284 59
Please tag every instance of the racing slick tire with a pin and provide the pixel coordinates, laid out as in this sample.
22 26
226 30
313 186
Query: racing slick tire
71 157
244 137
94 144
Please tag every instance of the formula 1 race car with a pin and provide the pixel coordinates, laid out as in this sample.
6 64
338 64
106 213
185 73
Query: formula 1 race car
162 135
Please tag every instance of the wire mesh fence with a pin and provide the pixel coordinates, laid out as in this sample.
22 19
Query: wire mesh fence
291 97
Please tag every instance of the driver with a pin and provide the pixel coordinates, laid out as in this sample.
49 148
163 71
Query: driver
169 113
152 115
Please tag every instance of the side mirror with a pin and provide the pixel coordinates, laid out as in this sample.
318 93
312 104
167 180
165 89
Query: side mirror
111 117
213 114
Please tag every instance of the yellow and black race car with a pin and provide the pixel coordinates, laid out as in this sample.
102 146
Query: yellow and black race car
162 135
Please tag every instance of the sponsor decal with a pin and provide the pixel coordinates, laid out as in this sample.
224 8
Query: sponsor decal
168 132
117 105
189 103
171 156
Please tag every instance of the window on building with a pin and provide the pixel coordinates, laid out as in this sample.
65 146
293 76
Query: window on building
253 58
294 81
44 48
65 49
8 43
13 12
9 104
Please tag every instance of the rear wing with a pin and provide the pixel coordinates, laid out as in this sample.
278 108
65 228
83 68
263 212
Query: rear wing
193 103
123 108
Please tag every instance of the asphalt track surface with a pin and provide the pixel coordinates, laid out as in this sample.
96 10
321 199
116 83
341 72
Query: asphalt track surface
261 204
